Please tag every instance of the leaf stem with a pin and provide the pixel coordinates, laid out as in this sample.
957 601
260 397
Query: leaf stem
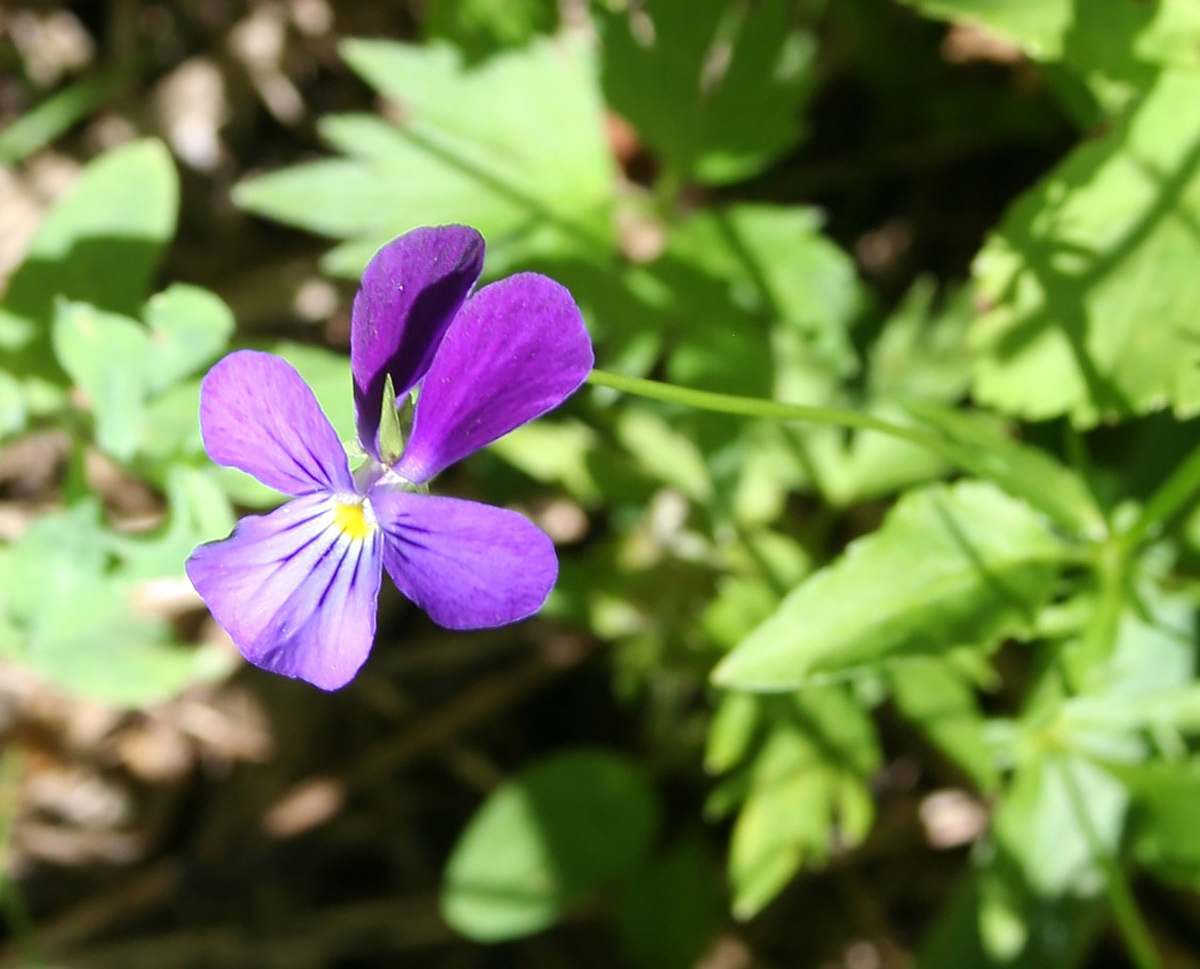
1179 488
962 458
769 409
1124 907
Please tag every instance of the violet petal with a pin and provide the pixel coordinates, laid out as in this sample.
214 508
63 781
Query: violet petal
257 414
468 565
295 592
410 292
517 349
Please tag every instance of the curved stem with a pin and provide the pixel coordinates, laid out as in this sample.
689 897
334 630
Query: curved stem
770 409
1174 493
1132 927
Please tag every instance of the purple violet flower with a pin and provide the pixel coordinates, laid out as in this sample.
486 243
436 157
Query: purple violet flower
296 588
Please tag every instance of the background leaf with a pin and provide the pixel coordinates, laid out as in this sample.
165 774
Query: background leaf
542 842
513 146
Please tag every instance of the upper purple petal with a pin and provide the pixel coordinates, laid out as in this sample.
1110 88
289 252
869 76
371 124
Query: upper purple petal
258 414
518 348
410 293
468 565
295 593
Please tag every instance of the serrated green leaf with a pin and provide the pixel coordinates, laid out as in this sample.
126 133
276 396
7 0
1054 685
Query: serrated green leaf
121 364
1115 47
776 265
807 787
560 830
951 566
514 146
1091 279
922 351
728 82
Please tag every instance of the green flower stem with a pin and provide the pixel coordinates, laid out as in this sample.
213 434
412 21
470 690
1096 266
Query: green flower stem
769 409
972 461
1174 493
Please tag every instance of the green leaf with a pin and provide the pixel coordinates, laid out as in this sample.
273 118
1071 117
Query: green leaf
774 264
807 790
101 243
922 351
665 453
514 146
189 327
1040 825
986 564
545 840
1164 835
121 364
728 82
669 913
554 451
992 922
70 618
1091 279
1034 902
198 511
482 27
733 727
1116 46
1030 473
940 701
107 356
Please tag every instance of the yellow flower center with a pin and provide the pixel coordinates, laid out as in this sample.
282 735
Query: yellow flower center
351 518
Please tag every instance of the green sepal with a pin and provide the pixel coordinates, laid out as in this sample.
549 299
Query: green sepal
391 431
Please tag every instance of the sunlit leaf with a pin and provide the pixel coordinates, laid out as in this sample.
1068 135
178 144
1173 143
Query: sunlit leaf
107 355
1091 278
985 565
102 242
514 146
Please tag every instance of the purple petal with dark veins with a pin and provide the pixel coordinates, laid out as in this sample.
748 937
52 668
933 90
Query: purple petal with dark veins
258 414
470 566
517 349
295 593
410 292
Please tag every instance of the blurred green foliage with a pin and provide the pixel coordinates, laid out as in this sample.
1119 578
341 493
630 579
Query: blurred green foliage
830 577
